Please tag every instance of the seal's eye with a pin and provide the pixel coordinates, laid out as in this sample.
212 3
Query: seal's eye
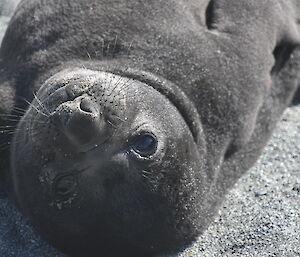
145 144
65 185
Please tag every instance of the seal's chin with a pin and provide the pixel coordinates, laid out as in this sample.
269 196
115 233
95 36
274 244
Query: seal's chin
102 152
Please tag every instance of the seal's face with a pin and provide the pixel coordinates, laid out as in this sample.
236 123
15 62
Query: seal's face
108 163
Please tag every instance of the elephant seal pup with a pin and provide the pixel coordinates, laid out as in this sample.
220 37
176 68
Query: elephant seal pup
128 151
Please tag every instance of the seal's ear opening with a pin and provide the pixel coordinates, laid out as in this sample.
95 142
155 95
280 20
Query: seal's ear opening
282 54
296 99
286 66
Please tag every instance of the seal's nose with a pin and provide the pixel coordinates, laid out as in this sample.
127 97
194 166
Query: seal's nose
79 120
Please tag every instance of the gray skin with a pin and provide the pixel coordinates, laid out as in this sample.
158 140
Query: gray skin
142 114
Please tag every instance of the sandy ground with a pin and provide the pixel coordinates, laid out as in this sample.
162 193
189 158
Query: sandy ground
260 216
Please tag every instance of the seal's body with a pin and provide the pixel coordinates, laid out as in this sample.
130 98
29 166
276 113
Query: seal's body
143 113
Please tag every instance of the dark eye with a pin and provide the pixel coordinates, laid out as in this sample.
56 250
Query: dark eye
65 185
145 144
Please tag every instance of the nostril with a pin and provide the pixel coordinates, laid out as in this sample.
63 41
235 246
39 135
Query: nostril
86 106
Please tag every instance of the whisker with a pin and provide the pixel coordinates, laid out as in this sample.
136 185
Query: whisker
7 144
8 132
19 112
20 109
12 119
41 104
116 85
31 134
119 118
114 49
147 172
7 126
145 176
124 85
10 115
129 48
119 81
5 130
4 146
102 49
30 104
88 54
113 125
107 49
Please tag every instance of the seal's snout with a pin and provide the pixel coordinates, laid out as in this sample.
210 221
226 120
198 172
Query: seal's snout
88 106
79 120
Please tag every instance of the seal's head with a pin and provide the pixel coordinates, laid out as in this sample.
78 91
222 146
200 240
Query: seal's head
105 165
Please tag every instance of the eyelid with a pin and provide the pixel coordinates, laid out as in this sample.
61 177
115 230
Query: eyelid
144 132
